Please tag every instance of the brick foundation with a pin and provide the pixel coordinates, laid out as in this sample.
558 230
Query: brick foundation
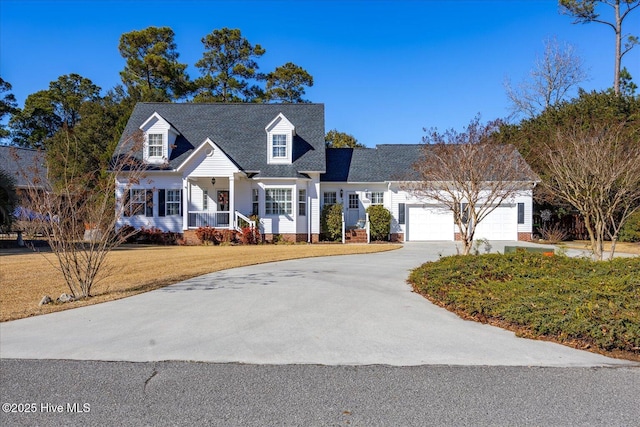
295 238
190 238
524 237
457 237
396 237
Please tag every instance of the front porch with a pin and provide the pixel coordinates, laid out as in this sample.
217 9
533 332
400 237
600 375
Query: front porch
211 202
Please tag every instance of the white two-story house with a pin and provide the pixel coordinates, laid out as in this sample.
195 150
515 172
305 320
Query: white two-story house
217 164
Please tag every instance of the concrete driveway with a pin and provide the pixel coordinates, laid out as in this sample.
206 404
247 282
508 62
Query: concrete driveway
344 310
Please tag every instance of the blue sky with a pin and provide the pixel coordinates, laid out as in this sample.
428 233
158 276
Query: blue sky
384 69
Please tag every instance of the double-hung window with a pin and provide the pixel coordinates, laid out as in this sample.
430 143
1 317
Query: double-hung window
173 202
377 198
302 202
278 201
279 146
329 198
154 146
255 200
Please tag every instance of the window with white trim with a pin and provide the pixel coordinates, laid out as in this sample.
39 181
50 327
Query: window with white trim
329 198
279 146
154 145
255 200
377 198
278 201
302 202
173 202
138 201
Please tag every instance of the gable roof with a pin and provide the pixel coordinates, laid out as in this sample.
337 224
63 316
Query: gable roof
239 130
25 165
394 162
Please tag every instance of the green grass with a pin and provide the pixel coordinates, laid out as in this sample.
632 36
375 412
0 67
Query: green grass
568 300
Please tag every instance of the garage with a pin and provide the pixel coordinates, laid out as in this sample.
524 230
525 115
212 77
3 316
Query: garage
501 224
429 222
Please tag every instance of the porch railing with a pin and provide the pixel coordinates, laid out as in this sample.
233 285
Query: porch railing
219 219
240 221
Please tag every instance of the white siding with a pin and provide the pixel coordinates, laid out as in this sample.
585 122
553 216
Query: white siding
153 182
203 165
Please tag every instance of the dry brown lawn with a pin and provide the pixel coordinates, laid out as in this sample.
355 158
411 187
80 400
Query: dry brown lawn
25 277
622 247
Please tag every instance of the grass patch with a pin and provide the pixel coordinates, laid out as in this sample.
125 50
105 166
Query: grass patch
578 302
25 277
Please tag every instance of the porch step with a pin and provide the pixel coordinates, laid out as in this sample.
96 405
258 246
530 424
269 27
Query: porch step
358 235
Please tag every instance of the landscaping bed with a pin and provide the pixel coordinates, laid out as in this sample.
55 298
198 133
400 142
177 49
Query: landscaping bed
573 301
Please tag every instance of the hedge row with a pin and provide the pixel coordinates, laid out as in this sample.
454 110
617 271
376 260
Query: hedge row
566 299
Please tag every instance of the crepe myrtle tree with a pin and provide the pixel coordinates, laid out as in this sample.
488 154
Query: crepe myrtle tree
596 168
79 220
468 174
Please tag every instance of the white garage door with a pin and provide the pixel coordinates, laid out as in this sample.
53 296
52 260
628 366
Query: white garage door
501 224
426 222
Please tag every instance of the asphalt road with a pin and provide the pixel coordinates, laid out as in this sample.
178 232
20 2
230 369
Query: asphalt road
190 393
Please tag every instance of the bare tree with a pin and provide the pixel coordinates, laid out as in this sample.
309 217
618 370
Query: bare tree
469 175
77 216
553 76
584 11
597 170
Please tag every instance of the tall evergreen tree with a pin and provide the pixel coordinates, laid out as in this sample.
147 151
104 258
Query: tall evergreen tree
152 71
228 65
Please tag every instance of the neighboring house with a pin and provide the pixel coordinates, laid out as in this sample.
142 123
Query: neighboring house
27 167
217 164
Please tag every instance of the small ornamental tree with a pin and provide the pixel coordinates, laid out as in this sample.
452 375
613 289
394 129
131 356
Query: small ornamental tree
468 174
331 222
78 215
379 222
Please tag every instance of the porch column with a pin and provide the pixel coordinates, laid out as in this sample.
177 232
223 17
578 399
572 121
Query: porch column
186 191
232 204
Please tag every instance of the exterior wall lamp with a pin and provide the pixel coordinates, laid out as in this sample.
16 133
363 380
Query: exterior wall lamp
213 181
341 193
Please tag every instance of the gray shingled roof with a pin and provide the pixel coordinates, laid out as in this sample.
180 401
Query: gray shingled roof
390 162
26 166
239 131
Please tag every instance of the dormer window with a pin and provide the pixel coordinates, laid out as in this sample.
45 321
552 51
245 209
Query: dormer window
160 138
279 146
154 146
280 136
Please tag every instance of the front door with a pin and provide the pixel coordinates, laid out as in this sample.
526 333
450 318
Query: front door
353 209
223 208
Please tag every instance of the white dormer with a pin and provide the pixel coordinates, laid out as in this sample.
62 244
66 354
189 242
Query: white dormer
159 138
280 133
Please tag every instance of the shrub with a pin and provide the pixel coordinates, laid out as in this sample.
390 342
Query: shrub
553 233
156 236
331 222
631 229
208 235
250 236
127 234
566 299
379 222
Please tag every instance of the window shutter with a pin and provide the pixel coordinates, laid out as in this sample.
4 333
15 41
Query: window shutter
520 213
126 203
149 204
161 202
401 213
